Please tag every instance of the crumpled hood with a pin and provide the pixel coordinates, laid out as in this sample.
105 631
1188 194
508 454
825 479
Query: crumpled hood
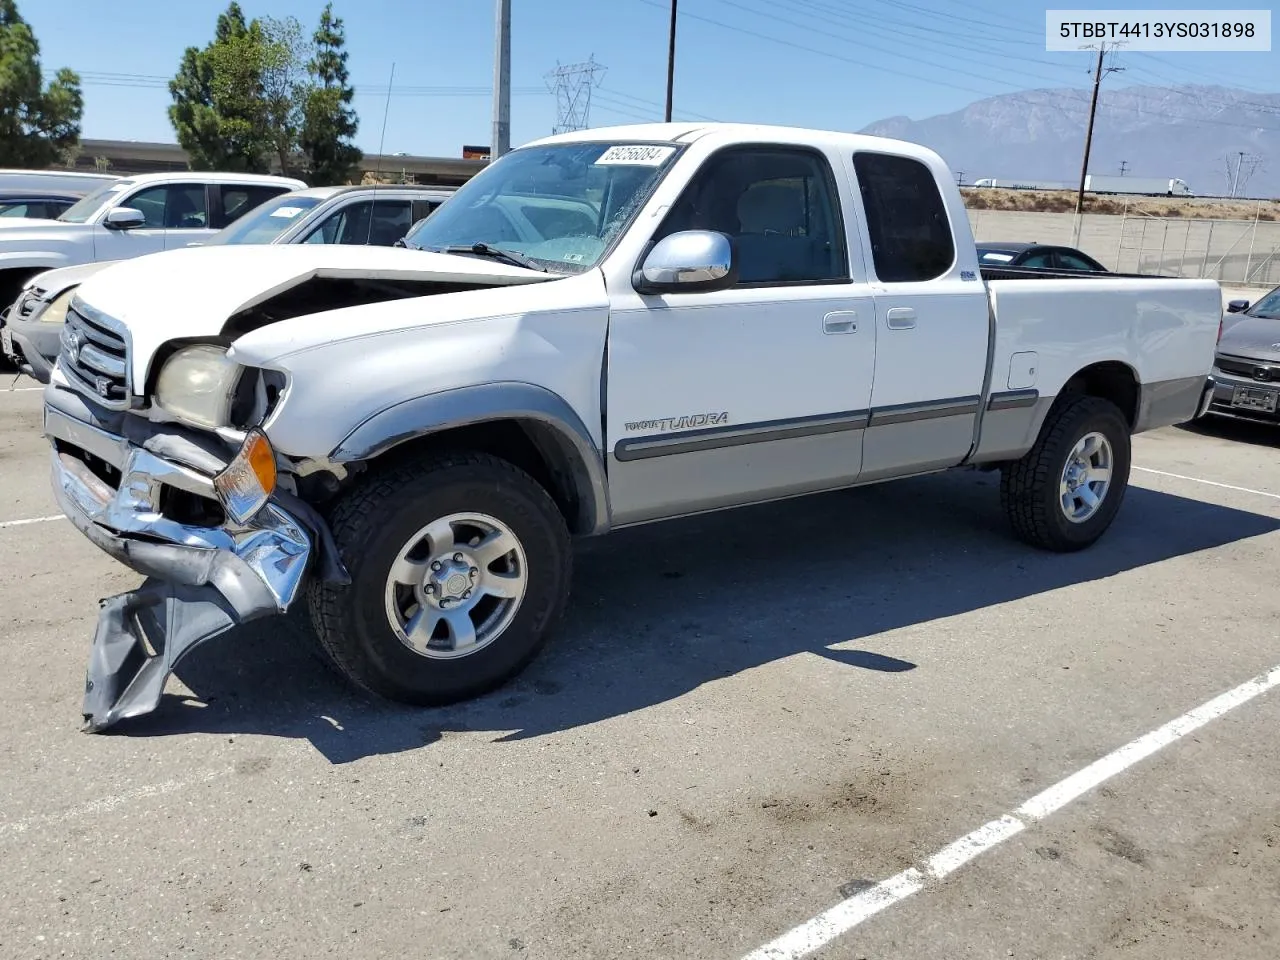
1251 337
54 282
193 291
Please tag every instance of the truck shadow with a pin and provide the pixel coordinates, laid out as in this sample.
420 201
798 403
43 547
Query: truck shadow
660 611
1239 431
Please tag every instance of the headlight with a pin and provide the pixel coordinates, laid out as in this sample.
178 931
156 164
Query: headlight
197 385
56 312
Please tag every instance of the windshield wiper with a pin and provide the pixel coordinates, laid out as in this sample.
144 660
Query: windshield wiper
487 250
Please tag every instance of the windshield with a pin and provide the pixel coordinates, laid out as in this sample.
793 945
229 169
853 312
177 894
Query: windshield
266 222
1268 308
83 210
560 205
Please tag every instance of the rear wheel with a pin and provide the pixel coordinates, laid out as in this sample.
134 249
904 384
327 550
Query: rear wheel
1065 492
460 566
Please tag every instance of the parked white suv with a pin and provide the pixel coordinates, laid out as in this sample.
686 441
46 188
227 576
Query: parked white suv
130 217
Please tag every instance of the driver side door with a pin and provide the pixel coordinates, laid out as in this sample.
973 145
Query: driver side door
756 391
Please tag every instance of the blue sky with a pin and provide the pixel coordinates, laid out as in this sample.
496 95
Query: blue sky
827 63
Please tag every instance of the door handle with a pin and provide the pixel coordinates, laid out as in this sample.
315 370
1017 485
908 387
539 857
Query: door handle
900 318
840 321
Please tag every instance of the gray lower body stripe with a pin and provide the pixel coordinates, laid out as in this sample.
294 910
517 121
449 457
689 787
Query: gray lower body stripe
712 438
906 412
1013 400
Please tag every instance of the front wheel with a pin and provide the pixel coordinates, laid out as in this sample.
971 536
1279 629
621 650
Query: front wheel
460 566
1065 491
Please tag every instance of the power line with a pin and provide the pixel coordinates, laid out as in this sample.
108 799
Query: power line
910 44
814 50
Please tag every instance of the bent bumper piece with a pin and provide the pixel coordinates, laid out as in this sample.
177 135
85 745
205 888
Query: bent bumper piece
201 581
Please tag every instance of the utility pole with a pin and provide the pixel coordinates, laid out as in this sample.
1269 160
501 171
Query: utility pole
1123 164
502 83
671 61
959 178
1088 136
1235 181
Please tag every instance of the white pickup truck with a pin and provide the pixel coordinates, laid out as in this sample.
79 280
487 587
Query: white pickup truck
601 329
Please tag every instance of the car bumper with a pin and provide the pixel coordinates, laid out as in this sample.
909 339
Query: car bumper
202 580
33 346
1223 391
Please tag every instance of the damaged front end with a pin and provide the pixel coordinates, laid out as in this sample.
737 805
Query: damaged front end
155 497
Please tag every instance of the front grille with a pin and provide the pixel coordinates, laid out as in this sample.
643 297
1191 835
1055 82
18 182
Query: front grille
95 359
1253 369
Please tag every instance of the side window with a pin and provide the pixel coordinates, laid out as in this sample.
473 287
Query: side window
1071 261
391 221
239 199
907 221
150 202
333 226
1041 261
780 207
352 224
423 209
178 206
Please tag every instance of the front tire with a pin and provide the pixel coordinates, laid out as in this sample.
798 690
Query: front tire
460 566
1065 491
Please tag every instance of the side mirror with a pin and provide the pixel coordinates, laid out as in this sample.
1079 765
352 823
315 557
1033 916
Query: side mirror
688 261
124 218
1237 306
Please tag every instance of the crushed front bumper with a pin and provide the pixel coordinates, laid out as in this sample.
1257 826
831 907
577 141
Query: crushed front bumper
134 496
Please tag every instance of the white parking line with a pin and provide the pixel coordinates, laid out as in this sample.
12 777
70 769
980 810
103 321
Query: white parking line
23 523
1211 483
21 389
844 916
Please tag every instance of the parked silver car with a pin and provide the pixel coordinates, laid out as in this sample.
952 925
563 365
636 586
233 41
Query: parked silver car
31 328
1246 366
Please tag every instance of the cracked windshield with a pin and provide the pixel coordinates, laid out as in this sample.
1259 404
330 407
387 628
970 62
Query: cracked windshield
560 206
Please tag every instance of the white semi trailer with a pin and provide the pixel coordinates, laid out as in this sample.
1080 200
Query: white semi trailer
1140 186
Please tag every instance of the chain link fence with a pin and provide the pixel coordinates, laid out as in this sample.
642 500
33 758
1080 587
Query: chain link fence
1229 251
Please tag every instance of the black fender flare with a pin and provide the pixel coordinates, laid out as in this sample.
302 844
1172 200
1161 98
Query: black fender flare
555 422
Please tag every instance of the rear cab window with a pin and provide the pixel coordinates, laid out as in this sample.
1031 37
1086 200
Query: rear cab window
906 216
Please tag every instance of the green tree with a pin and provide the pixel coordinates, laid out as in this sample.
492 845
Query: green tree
39 124
285 85
329 122
218 109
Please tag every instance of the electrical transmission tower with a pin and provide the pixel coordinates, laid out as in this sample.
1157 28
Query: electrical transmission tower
572 84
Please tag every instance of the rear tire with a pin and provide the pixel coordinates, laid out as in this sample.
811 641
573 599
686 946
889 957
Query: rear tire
1065 491
402 628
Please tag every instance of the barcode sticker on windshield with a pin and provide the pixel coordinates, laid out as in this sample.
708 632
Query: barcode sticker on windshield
636 155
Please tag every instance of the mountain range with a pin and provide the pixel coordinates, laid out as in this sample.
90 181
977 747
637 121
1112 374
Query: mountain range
1196 133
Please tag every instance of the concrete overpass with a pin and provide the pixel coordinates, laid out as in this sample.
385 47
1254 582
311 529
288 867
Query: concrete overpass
134 156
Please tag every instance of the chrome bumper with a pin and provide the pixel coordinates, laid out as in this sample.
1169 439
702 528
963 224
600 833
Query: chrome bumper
202 581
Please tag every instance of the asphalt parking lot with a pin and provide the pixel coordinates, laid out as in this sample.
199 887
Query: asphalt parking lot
749 718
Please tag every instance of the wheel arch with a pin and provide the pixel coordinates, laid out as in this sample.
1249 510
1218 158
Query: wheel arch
1112 380
525 424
